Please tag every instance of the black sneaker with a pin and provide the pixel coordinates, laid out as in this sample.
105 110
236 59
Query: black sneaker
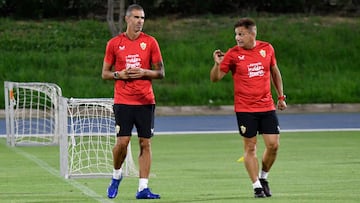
265 185
259 193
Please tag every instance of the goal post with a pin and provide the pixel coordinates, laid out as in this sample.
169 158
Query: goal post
32 113
84 129
87 149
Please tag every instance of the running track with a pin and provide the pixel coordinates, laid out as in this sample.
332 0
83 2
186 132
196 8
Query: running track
227 123
288 122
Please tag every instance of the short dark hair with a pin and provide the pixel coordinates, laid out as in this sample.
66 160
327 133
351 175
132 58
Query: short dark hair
133 7
245 22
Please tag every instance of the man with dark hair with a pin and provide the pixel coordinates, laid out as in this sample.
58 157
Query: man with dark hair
132 59
253 67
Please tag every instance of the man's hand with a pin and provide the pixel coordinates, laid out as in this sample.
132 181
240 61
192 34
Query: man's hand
135 72
218 56
281 105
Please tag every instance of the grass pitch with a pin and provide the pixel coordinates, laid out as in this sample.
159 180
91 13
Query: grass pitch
311 167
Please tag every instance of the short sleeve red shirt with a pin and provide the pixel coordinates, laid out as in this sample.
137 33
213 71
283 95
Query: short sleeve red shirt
251 76
122 53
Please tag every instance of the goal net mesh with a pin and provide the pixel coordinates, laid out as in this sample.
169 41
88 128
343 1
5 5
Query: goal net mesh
84 129
91 127
31 113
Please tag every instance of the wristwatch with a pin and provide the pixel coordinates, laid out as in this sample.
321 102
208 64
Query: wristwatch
282 98
116 75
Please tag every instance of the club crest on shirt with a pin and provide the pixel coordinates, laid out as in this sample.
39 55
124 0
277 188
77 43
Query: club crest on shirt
243 129
143 45
122 48
262 53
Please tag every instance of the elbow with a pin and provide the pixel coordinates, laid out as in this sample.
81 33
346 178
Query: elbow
161 75
213 78
215 74
103 76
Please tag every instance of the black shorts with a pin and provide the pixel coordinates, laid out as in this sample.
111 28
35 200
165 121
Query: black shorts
250 124
140 116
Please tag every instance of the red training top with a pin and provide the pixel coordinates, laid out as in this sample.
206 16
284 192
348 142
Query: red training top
251 75
125 53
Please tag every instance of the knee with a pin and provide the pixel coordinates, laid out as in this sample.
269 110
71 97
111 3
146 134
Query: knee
121 144
250 150
145 144
119 149
273 147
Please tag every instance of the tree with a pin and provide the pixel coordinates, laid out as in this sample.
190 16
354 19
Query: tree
114 5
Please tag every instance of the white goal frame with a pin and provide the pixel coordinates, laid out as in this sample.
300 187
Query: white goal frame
38 115
86 150
32 113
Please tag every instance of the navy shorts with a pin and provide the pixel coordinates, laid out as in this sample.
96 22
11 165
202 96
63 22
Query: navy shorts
250 124
140 116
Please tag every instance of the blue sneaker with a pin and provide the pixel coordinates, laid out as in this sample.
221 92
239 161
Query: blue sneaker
146 194
113 188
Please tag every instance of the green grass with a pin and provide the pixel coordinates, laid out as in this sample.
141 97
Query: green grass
311 167
317 56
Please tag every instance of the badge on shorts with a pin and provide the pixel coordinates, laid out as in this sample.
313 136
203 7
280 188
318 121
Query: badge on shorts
143 45
117 129
262 53
243 129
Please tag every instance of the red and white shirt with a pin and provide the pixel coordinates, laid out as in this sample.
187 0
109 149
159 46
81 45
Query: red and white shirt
125 53
251 75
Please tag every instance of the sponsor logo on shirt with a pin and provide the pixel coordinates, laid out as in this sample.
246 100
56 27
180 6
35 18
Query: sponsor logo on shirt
255 69
133 61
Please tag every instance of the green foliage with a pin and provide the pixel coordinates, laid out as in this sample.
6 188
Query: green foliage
40 9
317 56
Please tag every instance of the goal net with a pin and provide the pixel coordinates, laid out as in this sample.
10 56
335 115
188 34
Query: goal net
31 113
91 137
84 129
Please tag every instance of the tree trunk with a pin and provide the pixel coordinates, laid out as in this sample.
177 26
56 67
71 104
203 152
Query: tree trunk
115 30
121 15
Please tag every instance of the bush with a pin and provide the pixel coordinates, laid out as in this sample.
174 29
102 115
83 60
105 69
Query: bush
317 66
38 9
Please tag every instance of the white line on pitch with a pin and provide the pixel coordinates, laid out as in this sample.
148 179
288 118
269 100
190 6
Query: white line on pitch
87 191
236 131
